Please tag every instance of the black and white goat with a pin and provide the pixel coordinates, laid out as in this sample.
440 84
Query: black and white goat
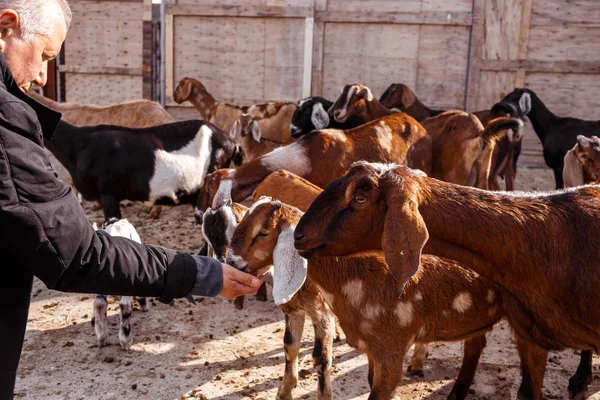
123 228
311 115
558 134
112 163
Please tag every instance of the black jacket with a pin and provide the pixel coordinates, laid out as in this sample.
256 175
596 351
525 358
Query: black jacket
44 232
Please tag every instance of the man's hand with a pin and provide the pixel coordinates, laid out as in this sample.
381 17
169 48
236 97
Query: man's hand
237 283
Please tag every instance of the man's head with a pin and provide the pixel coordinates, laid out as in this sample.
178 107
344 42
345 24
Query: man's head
31 34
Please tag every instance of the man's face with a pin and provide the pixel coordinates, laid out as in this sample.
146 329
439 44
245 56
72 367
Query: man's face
28 58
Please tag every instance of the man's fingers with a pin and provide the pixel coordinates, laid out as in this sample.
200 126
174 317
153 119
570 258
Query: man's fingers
247 279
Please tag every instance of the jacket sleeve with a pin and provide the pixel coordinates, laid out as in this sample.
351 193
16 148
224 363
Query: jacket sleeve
44 226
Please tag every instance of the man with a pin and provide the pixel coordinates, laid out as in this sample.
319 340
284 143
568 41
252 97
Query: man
43 230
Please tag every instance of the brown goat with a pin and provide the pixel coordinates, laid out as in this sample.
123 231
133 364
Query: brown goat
582 162
288 188
535 247
362 292
506 152
358 100
132 114
274 118
248 134
322 156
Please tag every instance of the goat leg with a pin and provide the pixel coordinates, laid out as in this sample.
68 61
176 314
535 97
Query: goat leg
472 351
99 321
324 326
125 337
417 361
143 302
261 294
110 206
386 376
578 383
533 368
294 325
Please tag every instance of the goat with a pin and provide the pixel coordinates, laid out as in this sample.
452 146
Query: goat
123 228
311 115
358 100
361 291
111 163
132 114
507 150
557 134
322 156
582 162
250 138
273 118
404 212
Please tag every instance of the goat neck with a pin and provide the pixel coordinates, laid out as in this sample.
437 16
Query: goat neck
542 119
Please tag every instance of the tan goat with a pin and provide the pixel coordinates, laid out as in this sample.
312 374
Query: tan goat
132 114
248 134
322 156
536 247
582 162
362 292
274 118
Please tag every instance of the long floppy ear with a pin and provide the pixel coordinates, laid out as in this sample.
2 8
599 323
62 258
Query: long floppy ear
255 129
223 193
404 235
408 97
525 103
365 93
289 272
572 170
235 129
319 117
186 89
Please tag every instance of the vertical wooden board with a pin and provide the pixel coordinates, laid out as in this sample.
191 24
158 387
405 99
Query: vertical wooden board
373 54
283 83
105 34
317 60
102 90
284 42
226 54
568 95
448 5
443 55
493 86
412 6
502 27
556 43
559 12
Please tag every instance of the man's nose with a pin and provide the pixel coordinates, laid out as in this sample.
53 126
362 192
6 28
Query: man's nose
42 78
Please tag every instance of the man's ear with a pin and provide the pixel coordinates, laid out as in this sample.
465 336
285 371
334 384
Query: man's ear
9 23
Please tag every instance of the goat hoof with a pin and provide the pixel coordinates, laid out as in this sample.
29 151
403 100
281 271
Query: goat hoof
261 297
414 372
459 391
155 211
578 386
238 302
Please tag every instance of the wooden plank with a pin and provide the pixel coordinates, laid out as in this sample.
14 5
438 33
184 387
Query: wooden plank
565 66
169 59
317 66
442 64
84 69
447 5
475 52
558 43
382 6
239 11
426 18
493 86
523 47
102 89
502 25
566 12
308 53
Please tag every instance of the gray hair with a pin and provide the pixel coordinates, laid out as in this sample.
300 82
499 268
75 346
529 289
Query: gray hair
33 14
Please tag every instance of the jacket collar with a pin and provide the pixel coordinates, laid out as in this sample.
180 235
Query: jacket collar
48 118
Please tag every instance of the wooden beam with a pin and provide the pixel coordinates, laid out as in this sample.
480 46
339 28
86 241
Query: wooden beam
565 66
475 54
240 11
309 26
79 69
169 63
422 18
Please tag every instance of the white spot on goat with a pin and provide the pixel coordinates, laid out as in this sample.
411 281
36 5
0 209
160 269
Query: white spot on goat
462 302
361 345
354 292
183 169
418 296
292 158
384 135
404 312
490 296
337 134
372 311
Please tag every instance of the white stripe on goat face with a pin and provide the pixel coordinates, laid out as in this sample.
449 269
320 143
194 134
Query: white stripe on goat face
183 169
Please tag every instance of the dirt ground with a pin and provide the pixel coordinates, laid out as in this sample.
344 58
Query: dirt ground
215 351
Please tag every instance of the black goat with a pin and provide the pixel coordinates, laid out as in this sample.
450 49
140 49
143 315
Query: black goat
311 115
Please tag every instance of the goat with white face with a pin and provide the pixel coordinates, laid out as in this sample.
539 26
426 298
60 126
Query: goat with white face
123 228
311 115
246 131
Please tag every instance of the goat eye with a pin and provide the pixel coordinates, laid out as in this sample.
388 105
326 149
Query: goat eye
360 199
262 234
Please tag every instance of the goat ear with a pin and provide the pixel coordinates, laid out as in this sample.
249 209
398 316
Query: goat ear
255 129
235 129
525 103
365 93
289 272
408 97
319 117
186 89
404 235
572 170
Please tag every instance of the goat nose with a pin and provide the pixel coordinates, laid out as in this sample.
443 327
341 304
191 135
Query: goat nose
298 236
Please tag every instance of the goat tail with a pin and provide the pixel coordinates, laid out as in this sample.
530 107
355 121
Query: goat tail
497 128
